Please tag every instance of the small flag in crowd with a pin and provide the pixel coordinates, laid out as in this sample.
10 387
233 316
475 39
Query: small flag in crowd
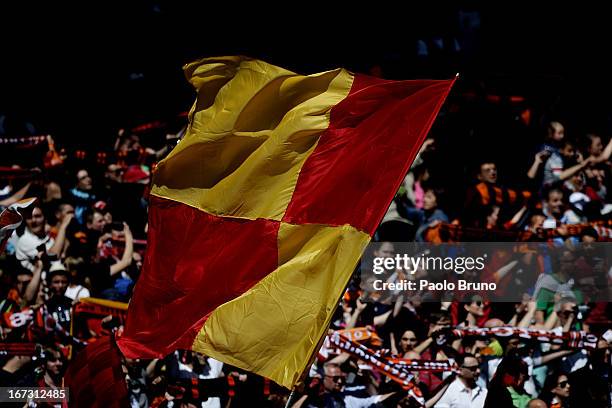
11 219
259 215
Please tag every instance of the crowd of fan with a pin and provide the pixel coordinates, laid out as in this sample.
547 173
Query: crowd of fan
86 236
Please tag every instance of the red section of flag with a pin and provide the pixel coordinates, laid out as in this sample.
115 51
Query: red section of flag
374 134
194 263
95 378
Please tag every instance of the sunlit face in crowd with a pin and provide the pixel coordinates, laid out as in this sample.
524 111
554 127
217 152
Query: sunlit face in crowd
114 172
97 222
577 180
588 239
59 283
566 312
520 380
334 379
562 389
537 403
488 173
408 341
22 282
555 202
512 344
84 182
476 307
537 221
599 175
63 211
567 263
430 202
424 176
568 151
596 147
54 362
556 131
53 191
36 222
386 250
470 370
493 217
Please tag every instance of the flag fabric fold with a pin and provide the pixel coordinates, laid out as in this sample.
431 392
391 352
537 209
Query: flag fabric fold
259 215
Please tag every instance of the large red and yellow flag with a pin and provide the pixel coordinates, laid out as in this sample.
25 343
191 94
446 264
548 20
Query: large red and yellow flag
260 214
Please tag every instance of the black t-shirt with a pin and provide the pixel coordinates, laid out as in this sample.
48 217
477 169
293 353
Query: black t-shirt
59 307
100 277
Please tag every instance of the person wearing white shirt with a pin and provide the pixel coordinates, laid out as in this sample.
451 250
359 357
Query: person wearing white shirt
75 290
28 244
464 392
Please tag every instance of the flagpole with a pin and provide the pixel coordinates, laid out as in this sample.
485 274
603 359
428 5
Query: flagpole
290 399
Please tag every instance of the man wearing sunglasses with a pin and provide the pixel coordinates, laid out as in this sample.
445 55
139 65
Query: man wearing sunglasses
464 392
333 395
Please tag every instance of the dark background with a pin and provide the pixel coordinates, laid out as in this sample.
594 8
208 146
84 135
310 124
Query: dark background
80 72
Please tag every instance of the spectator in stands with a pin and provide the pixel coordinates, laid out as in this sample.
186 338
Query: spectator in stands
431 214
474 311
536 403
62 211
559 282
76 290
53 369
487 193
59 306
84 242
464 392
407 342
555 133
554 208
557 390
110 276
332 393
35 238
82 195
23 277
564 163
506 388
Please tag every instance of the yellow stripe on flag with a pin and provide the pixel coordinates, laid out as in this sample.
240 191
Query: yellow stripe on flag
274 328
105 302
242 154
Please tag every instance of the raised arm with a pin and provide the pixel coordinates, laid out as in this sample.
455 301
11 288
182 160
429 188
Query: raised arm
16 197
605 155
60 239
538 160
531 309
567 173
547 358
33 286
360 306
128 252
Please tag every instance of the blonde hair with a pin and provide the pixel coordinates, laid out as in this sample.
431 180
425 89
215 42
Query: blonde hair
73 263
